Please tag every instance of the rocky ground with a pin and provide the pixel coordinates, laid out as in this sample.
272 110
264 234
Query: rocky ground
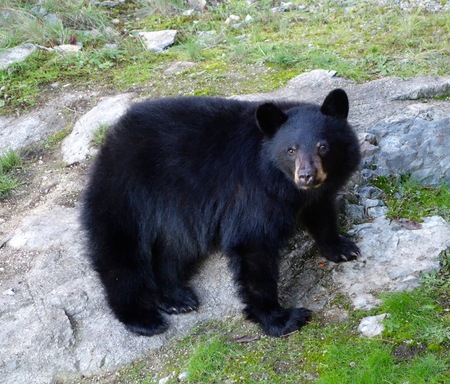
54 322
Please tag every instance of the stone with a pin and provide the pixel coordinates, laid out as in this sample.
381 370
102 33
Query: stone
15 55
207 38
158 40
24 130
67 48
52 19
78 145
232 19
355 213
393 257
198 5
179 67
106 4
371 326
414 142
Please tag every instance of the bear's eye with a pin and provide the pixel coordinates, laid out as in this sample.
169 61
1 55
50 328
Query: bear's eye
291 151
322 148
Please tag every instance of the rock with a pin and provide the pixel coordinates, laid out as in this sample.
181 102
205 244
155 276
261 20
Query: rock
355 213
73 328
78 145
106 4
158 40
19 132
414 142
67 48
370 203
207 38
52 19
371 326
422 88
232 19
179 67
38 11
370 192
16 54
198 5
393 258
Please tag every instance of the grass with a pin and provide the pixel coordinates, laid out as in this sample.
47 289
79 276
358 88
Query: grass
100 134
414 348
406 198
8 163
363 43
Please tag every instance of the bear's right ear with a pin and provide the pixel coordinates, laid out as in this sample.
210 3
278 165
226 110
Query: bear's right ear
336 104
269 118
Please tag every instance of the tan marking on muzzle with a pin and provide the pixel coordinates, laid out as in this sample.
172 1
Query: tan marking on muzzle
297 169
319 178
321 175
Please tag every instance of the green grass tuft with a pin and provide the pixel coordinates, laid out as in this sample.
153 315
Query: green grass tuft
100 134
8 162
406 198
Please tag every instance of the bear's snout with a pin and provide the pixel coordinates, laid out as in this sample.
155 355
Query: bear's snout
306 177
308 174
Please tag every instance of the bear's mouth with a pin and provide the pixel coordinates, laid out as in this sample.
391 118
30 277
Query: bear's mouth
307 186
310 180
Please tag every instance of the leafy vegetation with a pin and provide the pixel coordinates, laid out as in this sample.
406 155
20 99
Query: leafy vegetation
100 133
361 42
8 163
406 198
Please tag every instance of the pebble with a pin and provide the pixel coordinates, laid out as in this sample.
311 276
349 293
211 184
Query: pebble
9 292
371 326
183 376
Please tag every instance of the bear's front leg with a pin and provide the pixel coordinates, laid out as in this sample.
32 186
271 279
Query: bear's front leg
321 220
256 273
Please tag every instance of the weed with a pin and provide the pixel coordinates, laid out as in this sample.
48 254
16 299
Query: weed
100 134
48 23
53 140
8 162
406 198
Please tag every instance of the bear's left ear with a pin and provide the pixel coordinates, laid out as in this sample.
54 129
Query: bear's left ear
269 118
336 104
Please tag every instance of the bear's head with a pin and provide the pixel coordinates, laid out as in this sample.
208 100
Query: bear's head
312 145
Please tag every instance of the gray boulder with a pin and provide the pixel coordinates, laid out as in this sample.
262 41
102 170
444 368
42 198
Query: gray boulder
16 54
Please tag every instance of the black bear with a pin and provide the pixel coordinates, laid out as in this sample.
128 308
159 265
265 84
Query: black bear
178 178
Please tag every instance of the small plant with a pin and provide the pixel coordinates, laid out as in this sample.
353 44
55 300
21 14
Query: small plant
100 134
53 140
8 162
408 199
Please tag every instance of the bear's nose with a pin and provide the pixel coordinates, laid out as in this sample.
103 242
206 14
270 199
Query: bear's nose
307 176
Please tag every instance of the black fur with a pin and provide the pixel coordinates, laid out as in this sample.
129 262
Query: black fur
178 178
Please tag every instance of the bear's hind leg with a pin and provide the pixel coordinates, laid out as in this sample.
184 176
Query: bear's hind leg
178 300
133 301
172 274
